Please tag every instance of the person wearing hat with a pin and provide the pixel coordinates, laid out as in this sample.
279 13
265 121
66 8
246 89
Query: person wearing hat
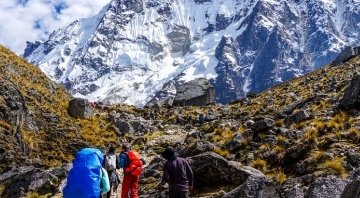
177 173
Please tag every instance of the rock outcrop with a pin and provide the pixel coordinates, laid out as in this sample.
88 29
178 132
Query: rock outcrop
347 53
198 92
352 189
351 93
80 108
29 179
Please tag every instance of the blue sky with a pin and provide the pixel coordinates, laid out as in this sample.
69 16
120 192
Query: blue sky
31 20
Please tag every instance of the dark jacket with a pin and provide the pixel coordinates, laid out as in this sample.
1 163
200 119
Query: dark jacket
178 174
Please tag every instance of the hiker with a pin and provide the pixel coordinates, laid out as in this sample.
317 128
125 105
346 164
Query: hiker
111 163
189 119
152 115
177 173
92 104
156 114
87 179
145 116
201 118
131 163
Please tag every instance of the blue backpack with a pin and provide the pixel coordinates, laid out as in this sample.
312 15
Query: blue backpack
84 178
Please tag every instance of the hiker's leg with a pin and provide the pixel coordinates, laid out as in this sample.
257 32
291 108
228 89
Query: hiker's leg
178 193
134 186
125 187
183 194
112 181
108 194
173 193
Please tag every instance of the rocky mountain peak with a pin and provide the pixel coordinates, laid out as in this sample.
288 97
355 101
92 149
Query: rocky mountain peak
132 51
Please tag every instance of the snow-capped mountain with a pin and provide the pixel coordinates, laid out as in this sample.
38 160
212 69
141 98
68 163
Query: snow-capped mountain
136 50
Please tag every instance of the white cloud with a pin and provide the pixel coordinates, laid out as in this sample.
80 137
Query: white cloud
34 20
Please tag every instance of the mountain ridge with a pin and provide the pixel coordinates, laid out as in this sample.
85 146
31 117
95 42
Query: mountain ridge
135 49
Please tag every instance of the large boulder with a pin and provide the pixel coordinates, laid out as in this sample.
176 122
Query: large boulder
347 53
326 187
296 187
351 93
197 147
198 92
255 186
262 125
352 190
20 182
212 172
80 108
124 126
249 181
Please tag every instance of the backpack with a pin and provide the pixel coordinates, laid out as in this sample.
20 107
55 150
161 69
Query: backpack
84 177
135 164
110 162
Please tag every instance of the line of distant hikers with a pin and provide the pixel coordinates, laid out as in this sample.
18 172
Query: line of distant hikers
95 175
151 115
101 107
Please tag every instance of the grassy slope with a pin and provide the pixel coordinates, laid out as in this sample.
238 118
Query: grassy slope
55 144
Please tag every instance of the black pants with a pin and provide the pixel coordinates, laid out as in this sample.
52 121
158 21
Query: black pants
178 193
113 180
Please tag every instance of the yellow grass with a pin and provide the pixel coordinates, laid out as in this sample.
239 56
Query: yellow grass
259 164
151 136
335 166
280 177
5 125
319 156
223 152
